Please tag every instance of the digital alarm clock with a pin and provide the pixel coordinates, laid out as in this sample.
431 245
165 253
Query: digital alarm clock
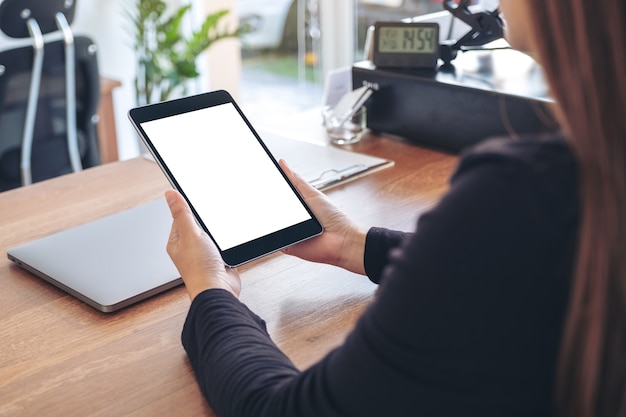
405 45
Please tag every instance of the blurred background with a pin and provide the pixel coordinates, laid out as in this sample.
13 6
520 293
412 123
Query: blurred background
275 70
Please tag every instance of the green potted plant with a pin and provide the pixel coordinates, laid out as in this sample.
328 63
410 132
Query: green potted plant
166 57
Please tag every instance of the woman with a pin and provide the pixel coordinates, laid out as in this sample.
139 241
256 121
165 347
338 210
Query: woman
508 300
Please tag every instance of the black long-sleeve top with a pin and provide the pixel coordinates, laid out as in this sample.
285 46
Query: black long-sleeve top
467 319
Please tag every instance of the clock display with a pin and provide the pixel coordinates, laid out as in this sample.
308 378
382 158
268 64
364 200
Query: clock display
408 45
407 39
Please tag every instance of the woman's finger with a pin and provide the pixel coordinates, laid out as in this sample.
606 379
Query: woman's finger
181 213
304 188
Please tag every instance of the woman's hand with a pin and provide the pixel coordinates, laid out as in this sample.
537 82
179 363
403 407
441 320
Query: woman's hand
343 241
195 255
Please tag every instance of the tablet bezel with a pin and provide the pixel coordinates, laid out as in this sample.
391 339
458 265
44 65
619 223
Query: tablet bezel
255 248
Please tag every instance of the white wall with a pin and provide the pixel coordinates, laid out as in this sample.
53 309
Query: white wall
107 26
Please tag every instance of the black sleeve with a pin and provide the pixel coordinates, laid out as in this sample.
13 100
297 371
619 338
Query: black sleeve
232 355
466 321
379 242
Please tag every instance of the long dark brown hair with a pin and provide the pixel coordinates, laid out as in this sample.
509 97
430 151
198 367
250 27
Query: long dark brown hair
581 45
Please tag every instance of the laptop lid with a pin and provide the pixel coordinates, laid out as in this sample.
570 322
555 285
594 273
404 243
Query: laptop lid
109 263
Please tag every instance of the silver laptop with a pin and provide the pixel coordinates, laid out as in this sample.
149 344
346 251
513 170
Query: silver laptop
109 263
119 260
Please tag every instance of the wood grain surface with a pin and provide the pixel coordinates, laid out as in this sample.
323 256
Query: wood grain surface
60 357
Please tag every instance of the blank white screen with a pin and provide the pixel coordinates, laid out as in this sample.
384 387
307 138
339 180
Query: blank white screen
226 174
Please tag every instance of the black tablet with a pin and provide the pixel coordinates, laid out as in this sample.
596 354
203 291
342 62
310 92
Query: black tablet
239 195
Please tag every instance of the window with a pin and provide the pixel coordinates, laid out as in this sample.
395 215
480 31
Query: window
292 43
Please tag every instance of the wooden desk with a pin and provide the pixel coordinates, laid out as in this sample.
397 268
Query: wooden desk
60 357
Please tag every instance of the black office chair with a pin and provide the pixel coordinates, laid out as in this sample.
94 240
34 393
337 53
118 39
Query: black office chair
49 92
